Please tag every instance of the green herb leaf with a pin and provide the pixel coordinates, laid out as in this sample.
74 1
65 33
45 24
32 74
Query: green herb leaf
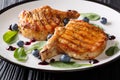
67 65
112 50
20 54
38 46
10 37
91 16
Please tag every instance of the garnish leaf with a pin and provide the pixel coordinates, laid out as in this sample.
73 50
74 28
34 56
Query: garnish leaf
91 16
67 65
10 37
112 50
39 45
20 54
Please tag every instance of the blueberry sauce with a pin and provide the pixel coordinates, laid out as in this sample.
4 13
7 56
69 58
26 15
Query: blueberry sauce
27 43
112 37
52 60
43 63
11 48
31 41
93 61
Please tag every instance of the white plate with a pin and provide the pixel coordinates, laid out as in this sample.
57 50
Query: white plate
11 16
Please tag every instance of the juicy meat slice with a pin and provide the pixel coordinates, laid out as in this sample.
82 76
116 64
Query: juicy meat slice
38 23
78 39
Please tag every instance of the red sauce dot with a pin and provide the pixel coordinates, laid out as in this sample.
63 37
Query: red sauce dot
43 63
112 37
32 40
52 60
27 43
93 61
11 48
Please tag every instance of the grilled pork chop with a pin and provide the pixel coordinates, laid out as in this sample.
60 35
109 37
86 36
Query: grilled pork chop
40 22
78 39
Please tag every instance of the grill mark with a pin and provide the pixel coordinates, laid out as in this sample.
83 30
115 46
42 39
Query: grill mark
54 22
94 30
41 23
44 21
86 41
72 45
89 28
75 39
70 39
76 35
67 48
48 18
48 26
29 22
80 44
92 34
34 20
83 31
41 26
58 20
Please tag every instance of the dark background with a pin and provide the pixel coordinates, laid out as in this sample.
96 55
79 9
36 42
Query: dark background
111 71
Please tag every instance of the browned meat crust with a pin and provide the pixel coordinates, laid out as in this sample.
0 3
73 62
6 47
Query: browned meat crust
38 23
78 39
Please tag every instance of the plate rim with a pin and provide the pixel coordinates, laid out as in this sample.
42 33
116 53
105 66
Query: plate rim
46 70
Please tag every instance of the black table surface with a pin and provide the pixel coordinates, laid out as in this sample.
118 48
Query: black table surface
9 71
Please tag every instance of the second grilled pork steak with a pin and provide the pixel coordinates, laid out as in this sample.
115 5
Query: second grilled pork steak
40 22
78 39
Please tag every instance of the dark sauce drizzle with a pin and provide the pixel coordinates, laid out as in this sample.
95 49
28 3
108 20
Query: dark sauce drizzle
43 63
46 63
52 60
27 43
31 41
112 37
93 61
11 48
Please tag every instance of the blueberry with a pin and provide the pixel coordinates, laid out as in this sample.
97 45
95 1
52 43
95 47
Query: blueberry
14 27
35 53
65 58
49 36
112 37
66 20
103 20
85 19
20 43
10 27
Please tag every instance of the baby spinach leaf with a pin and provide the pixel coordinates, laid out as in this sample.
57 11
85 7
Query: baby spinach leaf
112 50
67 65
10 37
91 16
39 45
20 54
